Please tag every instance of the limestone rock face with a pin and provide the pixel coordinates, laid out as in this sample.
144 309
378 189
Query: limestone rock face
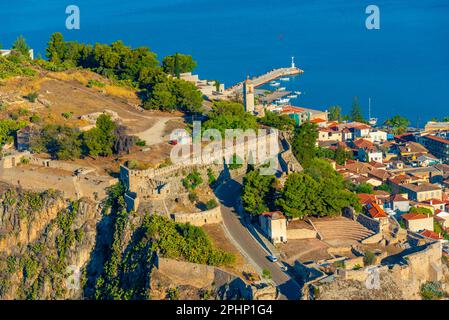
22 224
42 235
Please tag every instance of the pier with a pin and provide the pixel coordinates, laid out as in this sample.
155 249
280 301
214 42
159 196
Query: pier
267 77
273 96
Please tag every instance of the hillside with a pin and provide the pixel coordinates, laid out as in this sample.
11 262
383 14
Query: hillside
69 98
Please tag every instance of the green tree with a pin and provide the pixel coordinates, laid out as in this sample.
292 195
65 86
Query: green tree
356 111
282 122
335 113
364 188
188 97
21 47
99 141
55 48
192 180
161 98
178 63
299 195
229 115
304 143
385 187
340 155
257 192
318 191
397 124
421 210
69 145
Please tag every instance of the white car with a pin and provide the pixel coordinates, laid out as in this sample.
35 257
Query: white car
272 258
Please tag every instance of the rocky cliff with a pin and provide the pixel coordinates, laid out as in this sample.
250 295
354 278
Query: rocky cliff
43 238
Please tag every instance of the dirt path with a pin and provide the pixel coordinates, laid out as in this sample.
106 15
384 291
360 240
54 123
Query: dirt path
154 135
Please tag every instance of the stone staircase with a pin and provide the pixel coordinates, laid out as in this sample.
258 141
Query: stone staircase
341 228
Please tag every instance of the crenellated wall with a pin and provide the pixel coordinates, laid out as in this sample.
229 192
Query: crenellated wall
199 218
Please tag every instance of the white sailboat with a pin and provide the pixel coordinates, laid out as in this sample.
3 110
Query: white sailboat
372 121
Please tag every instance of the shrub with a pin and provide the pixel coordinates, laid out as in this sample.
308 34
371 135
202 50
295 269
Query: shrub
193 197
432 291
192 181
369 258
236 163
211 177
266 274
23 112
211 204
173 294
67 115
95 83
35 118
32 96
141 143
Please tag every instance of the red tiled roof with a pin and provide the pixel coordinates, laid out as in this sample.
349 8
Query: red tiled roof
434 202
375 211
382 193
363 144
318 120
399 198
365 198
274 215
431 235
291 109
414 216
438 139
400 179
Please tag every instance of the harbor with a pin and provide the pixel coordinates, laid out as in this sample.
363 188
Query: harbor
281 74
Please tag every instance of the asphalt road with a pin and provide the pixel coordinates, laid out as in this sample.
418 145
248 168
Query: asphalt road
229 194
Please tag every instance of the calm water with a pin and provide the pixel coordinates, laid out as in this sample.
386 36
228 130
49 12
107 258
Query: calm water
404 66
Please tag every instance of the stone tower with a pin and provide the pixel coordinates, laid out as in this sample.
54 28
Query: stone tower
248 95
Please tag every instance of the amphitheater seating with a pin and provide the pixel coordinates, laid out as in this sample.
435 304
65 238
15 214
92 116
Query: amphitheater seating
341 228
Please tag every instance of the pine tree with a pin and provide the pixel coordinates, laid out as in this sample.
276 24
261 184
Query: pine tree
21 46
356 111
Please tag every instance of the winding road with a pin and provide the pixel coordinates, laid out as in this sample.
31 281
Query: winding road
254 250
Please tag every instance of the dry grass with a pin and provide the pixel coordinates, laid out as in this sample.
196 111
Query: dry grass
218 237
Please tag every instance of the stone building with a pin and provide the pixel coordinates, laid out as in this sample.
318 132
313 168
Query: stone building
422 191
417 222
248 96
274 225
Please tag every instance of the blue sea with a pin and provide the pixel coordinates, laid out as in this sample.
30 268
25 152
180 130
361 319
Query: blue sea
403 67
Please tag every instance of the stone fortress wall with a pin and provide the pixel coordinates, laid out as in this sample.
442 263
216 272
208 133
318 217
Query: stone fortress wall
73 180
183 273
163 183
199 218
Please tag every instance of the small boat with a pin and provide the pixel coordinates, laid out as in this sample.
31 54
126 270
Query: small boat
275 84
281 89
298 92
285 100
284 79
292 96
